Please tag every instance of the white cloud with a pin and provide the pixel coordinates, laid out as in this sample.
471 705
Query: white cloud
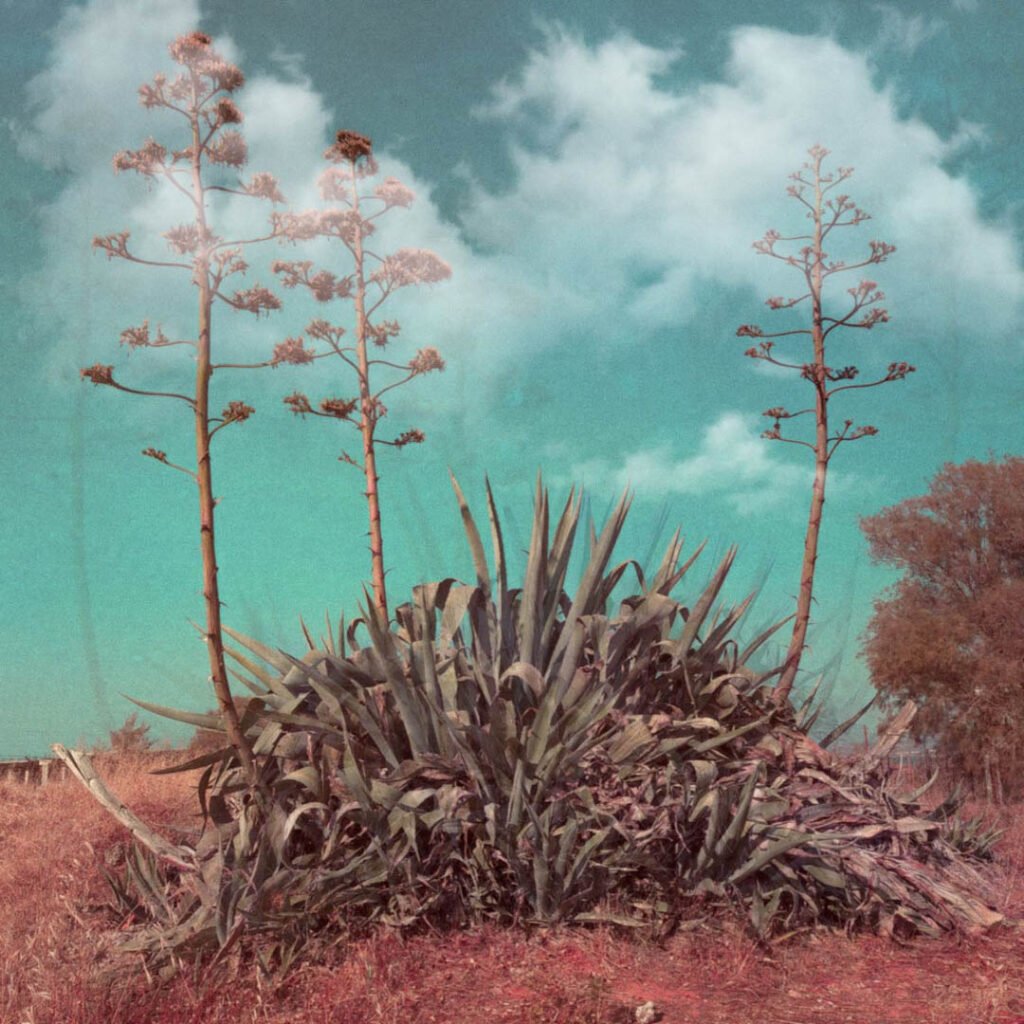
732 462
626 195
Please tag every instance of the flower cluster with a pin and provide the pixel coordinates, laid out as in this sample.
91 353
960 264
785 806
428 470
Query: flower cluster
236 412
149 160
138 337
409 437
292 350
264 186
897 371
394 193
339 408
296 227
426 360
225 112
380 334
411 266
255 300
324 331
155 453
749 331
349 147
344 224
188 238
98 374
195 51
298 403
229 149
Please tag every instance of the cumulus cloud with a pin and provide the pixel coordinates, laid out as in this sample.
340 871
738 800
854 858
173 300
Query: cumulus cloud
732 462
628 194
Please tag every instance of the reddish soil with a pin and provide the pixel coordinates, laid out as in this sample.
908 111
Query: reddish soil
52 843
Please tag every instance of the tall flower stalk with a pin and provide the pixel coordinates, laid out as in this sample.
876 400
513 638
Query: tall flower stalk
813 188
201 95
372 281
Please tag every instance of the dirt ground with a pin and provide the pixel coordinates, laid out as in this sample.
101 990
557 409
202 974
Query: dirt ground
52 960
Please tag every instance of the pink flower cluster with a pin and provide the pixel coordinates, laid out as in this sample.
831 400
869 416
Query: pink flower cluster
411 266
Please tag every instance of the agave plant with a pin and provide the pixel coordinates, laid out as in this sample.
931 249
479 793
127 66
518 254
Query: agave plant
526 755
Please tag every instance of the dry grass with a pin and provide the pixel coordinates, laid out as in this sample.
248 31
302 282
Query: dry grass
54 956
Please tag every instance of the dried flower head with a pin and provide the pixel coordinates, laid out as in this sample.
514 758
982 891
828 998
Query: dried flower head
150 159
411 266
236 412
426 360
349 147
296 227
98 374
187 238
298 403
394 193
155 453
265 186
229 149
292 350
138 337
256 300
340 408
226 112
409 437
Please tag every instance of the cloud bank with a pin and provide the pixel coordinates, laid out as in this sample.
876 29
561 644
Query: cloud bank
633 186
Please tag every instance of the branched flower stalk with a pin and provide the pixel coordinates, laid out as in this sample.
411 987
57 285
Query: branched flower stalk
373 280
814 189
201 95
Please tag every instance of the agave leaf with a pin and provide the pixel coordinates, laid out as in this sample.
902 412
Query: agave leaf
558 566
826 875
201 719
570 642
666 581
272 682
850 722
531 605
727 737
761 639
261 650
718 635
410 708
483 573
213 757
789 841
455 607
630 740
730 839
255 688
700 610
500 595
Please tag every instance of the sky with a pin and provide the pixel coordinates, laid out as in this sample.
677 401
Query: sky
595 174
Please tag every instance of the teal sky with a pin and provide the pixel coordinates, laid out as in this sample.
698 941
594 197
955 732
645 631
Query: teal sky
595 173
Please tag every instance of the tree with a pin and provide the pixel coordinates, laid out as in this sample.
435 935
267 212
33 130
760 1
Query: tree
812 189
131 738
352 224
201 95
948 633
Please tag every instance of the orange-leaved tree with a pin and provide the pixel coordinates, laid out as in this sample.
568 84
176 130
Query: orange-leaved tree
207 164
373 280
948 633
806 252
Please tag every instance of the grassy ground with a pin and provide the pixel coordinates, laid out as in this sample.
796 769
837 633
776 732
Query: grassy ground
54 956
